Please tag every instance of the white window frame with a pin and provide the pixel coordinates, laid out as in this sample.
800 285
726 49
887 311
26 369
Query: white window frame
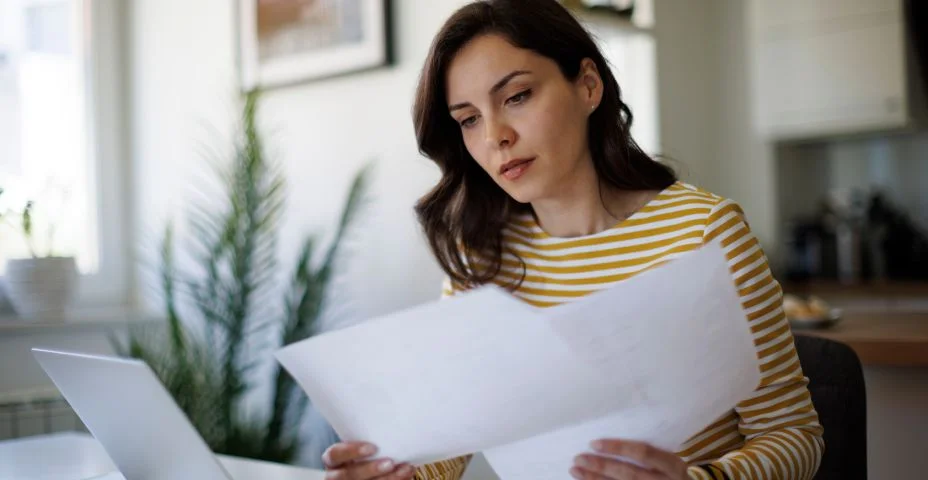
102 29
105 68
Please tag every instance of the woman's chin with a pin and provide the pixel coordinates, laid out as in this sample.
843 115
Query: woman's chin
524 194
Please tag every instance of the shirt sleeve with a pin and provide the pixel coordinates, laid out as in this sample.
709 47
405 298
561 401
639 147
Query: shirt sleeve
783 437
445 470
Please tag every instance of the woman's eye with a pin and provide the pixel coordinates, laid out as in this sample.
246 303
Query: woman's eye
469 121
519 97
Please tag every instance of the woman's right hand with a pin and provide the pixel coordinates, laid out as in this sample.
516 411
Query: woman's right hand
354 461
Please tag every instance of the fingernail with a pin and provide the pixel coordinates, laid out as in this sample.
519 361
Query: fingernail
385 466
406 470
575 472
368 450
582 461
333 475
598 445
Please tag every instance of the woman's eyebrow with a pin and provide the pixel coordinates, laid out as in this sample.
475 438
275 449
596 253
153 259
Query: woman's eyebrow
503 81
494 89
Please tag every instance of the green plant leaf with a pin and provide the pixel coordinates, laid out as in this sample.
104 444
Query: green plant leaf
27 226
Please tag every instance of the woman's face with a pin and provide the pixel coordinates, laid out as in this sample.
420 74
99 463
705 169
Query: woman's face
521 119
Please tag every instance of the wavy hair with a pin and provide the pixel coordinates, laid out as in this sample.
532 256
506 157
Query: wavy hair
464 214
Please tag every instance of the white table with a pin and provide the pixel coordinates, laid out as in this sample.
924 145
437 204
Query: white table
77 456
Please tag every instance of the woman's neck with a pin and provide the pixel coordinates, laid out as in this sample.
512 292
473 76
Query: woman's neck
585 206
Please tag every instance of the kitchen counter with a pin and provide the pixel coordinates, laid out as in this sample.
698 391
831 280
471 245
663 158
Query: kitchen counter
882 338
886 324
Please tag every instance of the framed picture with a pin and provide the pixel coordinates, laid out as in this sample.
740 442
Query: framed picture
284 42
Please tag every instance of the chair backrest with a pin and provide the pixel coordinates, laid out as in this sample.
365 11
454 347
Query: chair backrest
836 382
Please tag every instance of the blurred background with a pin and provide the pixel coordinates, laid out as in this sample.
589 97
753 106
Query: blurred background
116 114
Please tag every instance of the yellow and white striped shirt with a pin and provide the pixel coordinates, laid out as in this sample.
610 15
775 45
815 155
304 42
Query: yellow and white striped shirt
774 434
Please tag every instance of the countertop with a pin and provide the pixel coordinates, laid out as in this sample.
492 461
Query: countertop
886 324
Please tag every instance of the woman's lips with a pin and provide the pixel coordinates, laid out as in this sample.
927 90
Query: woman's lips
514 169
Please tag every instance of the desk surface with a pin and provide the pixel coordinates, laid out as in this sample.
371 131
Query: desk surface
77 456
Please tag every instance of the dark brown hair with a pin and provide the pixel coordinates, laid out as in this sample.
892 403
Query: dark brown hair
464 214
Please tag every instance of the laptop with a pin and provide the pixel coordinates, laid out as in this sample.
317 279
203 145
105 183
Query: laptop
146 434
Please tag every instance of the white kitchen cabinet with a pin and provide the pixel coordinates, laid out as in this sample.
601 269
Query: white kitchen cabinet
828 67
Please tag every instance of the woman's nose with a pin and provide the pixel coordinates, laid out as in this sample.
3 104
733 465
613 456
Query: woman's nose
499 134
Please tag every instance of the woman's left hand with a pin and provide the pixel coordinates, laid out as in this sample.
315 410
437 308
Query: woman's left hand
656 464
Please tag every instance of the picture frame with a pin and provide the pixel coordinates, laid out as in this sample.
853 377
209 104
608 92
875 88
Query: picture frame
288 42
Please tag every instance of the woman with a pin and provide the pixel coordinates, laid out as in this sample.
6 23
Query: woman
544 191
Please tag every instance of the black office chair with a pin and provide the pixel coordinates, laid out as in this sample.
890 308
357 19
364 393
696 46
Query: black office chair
836 382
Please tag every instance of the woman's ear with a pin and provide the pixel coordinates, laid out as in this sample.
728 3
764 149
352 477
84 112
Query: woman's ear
590 84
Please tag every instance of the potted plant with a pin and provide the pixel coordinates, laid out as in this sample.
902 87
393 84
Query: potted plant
223 299
42 284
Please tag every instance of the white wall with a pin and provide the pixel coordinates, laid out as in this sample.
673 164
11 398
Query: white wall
705 111
184 78
687 80
745 165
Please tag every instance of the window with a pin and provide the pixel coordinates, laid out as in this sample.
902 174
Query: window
59 137
629 46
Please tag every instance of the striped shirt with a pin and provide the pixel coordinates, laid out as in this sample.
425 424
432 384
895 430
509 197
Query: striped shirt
774 434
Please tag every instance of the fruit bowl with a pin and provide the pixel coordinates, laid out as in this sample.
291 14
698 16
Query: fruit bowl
811 313
816 322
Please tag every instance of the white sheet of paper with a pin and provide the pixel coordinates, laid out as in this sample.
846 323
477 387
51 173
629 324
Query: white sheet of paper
655 358
682 345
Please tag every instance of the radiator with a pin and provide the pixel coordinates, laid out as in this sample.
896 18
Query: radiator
36 412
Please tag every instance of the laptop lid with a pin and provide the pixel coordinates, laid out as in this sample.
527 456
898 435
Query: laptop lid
127 409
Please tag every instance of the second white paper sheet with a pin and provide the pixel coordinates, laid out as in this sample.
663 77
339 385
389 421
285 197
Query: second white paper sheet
655 358
675 339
